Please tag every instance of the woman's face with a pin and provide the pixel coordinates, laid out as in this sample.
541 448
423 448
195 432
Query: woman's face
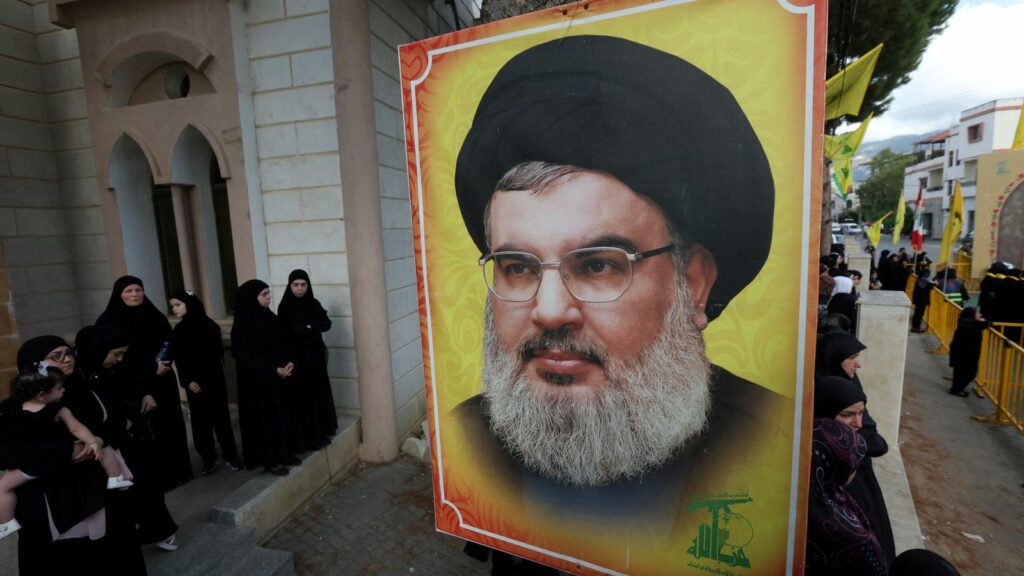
62 359
114 357
851 365
264 298
299 288
852 415
178 307
132 295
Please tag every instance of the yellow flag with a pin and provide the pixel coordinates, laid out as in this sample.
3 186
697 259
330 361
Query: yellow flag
897 228
1018 136
842 176
845 145
954 224
844 92
875 230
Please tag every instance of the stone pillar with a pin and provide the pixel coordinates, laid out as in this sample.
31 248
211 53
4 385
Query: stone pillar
883 321
357 134
860 261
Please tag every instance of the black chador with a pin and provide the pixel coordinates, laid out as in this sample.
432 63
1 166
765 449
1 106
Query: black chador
311 402
260 348
148 330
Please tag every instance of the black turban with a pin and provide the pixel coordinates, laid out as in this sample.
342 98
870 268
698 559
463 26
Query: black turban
655 122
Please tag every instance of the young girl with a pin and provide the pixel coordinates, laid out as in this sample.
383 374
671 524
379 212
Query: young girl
41 417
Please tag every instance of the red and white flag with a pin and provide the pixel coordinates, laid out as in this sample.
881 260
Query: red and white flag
917 237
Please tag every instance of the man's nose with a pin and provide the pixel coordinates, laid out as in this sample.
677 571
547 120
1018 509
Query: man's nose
554 306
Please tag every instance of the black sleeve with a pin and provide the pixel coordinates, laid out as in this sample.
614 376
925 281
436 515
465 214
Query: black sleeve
877 446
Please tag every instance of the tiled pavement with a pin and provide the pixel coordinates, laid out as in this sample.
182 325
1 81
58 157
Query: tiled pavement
380 521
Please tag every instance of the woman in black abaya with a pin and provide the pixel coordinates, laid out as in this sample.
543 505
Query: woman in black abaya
839 541
118 552
311 403
148 332
260 348
965 350
113 404
199 357
838 358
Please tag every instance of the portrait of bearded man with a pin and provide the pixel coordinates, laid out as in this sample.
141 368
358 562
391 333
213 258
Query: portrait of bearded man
619 199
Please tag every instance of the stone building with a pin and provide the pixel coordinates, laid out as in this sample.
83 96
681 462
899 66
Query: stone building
199 143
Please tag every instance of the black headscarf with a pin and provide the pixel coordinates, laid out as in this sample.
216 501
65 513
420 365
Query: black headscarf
298 313
658 124
838 535
93 343
36 349
256 330
833 348
196 329
146 326
833 394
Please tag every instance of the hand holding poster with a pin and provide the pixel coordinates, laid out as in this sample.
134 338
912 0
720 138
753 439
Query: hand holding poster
612 206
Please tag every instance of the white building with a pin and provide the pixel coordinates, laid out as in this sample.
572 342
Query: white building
953 155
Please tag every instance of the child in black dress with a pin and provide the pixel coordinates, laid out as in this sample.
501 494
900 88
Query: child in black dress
33 412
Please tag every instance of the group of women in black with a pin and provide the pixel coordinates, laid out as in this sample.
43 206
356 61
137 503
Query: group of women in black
848 526
119 383
285 403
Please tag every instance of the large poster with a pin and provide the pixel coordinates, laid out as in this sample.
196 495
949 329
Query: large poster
615 210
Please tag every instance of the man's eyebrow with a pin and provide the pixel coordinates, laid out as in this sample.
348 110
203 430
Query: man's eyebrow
607 240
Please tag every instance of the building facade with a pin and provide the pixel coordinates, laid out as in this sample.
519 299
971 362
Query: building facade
953 155
200 143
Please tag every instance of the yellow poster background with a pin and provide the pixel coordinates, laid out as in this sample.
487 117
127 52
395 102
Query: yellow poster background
763 51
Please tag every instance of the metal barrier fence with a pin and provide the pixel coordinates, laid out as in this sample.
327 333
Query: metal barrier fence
1001 366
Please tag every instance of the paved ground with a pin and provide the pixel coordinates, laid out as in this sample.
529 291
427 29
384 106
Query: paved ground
966 477
380 521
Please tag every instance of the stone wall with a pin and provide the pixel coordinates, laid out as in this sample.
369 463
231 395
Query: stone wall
289 51
392 23
49 220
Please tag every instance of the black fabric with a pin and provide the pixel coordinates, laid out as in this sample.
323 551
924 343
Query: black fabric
260 346
107 399
839 538
845 304
311 402
833 348
833 394
922 296
148 330
965 349
36 349
921 562
199 358
653 121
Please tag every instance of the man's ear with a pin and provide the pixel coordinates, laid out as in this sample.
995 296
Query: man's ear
701 273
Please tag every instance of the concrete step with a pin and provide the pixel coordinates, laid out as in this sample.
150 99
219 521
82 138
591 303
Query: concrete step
216 549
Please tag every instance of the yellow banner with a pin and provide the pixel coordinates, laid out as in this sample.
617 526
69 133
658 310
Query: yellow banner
897 229
875 230
954 224
842 176
845 145
844 92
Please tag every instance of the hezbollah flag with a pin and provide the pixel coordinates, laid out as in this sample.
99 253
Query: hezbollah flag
842 177
844 92
954 224
897 228
1018 136
845 145
875 230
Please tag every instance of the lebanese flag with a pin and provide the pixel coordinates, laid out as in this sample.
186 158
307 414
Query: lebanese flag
917 237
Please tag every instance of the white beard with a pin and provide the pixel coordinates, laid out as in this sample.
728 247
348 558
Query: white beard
649 407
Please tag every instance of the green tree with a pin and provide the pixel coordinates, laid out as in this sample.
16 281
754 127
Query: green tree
905 26
882 191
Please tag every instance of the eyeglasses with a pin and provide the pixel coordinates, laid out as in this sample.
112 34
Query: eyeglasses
599 274
61 356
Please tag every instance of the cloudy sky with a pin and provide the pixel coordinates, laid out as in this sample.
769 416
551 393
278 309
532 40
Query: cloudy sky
979 57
